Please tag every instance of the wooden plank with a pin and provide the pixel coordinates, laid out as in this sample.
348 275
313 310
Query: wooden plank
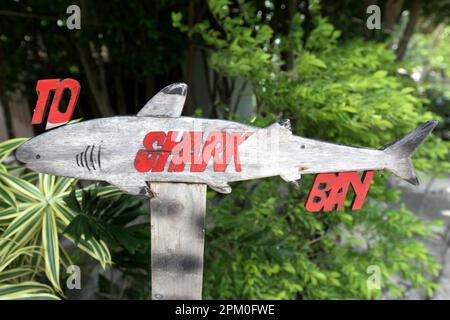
120 150
177 235
159 146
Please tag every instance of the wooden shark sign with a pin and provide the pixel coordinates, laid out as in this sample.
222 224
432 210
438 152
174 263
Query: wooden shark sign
147 153
158 145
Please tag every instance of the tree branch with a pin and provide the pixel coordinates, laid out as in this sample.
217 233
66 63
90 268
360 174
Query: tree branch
414 13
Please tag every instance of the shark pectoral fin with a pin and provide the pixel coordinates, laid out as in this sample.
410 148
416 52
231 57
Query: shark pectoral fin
292 177
221 187
138 188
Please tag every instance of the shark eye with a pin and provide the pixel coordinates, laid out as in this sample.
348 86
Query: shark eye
38 156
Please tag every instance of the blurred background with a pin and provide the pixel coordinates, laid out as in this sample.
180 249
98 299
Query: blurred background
361 73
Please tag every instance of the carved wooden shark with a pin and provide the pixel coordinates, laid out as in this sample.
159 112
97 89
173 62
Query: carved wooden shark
158 145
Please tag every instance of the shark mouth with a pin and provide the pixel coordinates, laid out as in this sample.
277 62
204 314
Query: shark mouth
90 158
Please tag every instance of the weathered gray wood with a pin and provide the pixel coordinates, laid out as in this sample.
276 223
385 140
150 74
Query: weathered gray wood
119 149
107 148
177 234
168 102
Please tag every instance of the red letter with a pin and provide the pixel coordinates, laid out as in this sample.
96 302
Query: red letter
318 196
337 193
230 149
165 151
238 139
43 88
56 117
212 141
146 158
335 189
221 146
182 153
361 188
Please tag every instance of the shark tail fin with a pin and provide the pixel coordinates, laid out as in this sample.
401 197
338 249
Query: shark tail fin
402 150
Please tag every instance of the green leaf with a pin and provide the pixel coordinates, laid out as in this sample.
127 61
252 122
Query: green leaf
47 183
72 202
83 226
14 274
24 222
96 249
26 291
7 259
8 146
51 248
62 185
22 187
7 197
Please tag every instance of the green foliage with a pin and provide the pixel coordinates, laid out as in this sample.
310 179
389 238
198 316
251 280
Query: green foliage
36 210
267 246
121 48
123 224
105 218
26 291
32 217
261 243
429 57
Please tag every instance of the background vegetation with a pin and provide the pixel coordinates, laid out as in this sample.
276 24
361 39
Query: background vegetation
314 62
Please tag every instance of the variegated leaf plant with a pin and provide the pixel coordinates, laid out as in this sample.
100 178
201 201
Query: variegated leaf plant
33 216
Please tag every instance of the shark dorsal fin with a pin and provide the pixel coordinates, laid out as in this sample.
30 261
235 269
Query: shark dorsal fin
168 102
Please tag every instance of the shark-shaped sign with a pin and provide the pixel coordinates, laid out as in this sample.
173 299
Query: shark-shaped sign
158 145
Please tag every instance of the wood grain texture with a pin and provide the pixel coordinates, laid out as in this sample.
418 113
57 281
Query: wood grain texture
177 235
168 102
106 149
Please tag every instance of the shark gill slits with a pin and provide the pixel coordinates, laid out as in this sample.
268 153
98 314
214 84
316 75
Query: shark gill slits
89 158
85 157
98 156
92 157
81 159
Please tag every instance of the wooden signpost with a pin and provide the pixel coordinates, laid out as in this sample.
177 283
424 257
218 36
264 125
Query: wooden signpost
172 159
178 227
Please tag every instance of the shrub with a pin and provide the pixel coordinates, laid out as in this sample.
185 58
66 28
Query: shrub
261 243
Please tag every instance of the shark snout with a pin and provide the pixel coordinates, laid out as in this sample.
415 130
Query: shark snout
25 153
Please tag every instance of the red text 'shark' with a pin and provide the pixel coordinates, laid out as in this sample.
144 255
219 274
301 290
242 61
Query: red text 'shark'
191 150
